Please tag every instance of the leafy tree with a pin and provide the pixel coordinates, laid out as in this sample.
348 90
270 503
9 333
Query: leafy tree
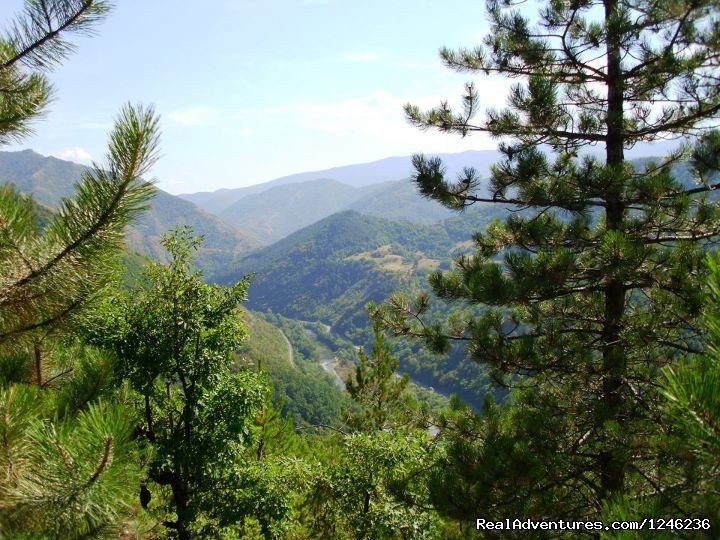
373 491
173 338
595 285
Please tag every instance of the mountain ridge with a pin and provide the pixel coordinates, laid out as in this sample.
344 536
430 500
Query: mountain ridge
49 179
389 169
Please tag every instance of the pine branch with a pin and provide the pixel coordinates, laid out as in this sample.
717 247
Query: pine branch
36 35
104 460
73 251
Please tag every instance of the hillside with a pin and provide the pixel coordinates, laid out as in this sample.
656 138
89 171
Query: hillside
399 201
292 361
222 241
282 210
330 270
48 179
358 175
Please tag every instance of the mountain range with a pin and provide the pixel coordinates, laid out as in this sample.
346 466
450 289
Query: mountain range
357 175
320 248
281 210
49 179
389 169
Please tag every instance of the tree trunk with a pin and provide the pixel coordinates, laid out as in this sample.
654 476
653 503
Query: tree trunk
614 365
182 509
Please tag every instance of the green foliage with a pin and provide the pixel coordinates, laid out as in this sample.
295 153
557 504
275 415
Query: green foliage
692 406
594 284
68 447
37 40
173 338
373 491
46 276
384 400
66 478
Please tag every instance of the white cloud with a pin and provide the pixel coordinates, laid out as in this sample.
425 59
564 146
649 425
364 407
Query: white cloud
379 119
191 116
77 154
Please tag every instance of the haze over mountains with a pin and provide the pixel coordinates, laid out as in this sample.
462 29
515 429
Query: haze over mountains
357 175
275 209
389 169
49 179
281 210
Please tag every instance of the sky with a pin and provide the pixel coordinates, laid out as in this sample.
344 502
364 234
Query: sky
252 90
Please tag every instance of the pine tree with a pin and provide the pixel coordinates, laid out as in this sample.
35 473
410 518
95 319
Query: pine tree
67 454
46 276
692 393
381 395
594 285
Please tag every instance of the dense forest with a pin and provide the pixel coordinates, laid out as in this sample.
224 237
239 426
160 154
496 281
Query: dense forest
567 308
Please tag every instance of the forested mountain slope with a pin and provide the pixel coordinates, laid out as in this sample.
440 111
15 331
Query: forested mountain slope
48 179
282 210
330 270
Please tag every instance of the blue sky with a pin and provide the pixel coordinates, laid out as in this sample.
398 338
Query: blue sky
252 90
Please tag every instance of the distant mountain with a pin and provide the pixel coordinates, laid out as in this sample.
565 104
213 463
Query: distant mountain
400 201
382 188
284 209
329 270
221 242
358 175
388 169
48 179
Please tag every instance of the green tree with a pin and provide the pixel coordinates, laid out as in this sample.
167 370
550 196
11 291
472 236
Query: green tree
47 275
66 452
173 337
692 393
372 485
64 478
373 490
595 284
382 396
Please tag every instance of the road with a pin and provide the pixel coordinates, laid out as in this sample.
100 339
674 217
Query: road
327 365
291 354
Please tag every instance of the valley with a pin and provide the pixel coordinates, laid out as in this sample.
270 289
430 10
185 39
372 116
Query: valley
320 249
